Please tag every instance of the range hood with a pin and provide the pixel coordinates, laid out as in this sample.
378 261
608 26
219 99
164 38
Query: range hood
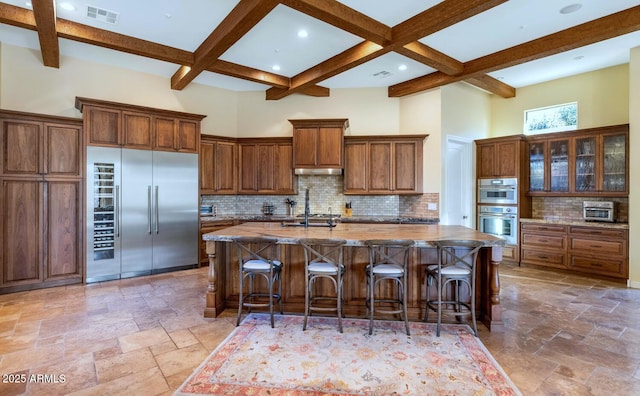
318 171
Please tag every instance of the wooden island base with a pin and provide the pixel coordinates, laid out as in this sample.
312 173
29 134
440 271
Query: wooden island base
222 292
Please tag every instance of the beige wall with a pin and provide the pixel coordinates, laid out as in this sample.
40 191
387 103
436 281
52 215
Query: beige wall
634 168
370 112
602 96
29 86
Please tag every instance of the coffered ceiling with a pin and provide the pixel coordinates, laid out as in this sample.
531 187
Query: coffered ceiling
312 46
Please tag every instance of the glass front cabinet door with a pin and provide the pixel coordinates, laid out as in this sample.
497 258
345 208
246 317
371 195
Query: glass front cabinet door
559 165
614 163
585 166
537 167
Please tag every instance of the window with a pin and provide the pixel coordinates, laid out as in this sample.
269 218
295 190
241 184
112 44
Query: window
563 117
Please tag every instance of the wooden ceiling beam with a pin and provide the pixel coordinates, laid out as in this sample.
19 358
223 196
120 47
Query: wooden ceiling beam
604 28
439 17
431 57
250 74
493 86
345 18
348 59
17 16
44 12
119 42
244 16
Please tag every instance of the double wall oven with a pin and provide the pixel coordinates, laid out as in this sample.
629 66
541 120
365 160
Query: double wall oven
498 208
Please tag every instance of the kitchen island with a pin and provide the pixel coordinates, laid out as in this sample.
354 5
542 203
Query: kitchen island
223 267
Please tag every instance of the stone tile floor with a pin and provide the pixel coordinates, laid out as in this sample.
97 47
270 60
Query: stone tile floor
565 335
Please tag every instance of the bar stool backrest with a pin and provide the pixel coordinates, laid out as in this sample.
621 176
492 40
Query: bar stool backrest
323 250
449 255
265 249
383 251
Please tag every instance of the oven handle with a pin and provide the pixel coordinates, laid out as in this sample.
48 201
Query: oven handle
498 188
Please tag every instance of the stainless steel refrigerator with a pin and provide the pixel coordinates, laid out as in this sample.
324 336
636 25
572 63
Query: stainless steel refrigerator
142 212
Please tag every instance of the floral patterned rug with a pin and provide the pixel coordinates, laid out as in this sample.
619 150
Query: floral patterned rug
258 360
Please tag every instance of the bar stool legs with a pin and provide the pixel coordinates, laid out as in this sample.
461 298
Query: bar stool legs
388 261
456 267
323 260
258 257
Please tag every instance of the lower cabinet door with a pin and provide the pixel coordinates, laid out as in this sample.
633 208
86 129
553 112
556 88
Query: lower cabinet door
22 234
65 237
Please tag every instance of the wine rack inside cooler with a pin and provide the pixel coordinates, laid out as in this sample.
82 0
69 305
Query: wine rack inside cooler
104 211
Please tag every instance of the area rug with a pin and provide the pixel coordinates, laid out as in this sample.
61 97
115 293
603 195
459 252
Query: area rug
258 360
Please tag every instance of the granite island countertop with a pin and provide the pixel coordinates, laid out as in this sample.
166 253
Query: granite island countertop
355 234
205 219
575 222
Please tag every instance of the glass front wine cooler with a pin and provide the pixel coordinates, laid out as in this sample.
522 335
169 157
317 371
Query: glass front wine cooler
105 225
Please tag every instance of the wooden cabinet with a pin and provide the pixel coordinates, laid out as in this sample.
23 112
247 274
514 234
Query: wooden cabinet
589 162
499 157
41 201
383 164
587 249
599 250
318 144
138 127
175 134
266 166
218 165
543 244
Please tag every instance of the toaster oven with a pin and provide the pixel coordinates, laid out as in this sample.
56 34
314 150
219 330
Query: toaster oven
598 211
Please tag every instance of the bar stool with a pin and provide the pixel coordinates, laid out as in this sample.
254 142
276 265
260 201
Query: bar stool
456 266
388 260
258 256
323 260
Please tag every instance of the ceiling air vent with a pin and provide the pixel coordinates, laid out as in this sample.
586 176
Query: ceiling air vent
103 15
382 74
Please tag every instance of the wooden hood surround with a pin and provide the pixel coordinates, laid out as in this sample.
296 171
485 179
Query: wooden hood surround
378 39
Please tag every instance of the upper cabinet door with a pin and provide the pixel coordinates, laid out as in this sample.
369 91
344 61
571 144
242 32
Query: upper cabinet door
137 130
585 164
330 147
559 165
165 134
615 163
22 148
537 167
103 126
499 159
305 147
188 136
64 150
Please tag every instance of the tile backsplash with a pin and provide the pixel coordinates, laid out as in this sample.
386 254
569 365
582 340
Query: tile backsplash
327 192
570 208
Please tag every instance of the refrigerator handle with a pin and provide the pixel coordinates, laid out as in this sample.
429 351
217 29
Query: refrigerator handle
157 213
116 215
149 210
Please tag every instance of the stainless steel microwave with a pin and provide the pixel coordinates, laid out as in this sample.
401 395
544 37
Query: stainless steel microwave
498 191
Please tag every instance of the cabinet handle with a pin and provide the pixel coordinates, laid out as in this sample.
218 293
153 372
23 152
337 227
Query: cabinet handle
595 232
597 265
544 240
544 257
595 246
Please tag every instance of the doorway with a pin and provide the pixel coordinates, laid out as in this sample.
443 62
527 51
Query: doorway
458 201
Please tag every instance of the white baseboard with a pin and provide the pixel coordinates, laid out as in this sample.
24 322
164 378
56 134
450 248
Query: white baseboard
633 284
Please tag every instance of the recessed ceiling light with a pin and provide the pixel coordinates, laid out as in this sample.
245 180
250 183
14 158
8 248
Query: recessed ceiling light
302 33
67 6
402 67
570 8
275 67
578 57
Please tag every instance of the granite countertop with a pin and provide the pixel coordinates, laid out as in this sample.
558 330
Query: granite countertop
343 219
355 234
574 222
